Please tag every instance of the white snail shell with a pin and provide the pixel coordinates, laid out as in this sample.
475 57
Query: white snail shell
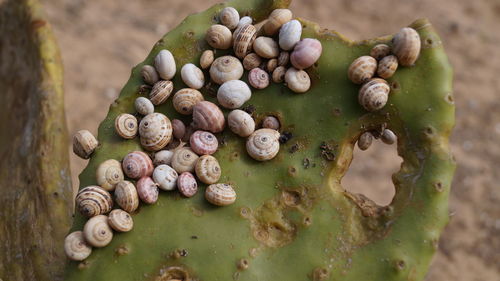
290 34
147 190
109 173
207 116
245 20
374 94
229 17
233 94
187 185
203 142
406 46
258 78
165 64
263 144
220 194
185 99
75 246
206 59
305 53
84 144
166 177
144 106
161 91
266 47
126 125
137 164
241 123
184 160
97 232
149 74
192 76
163 157
362 69
120 221
225 68
93 200
297 80
126 196
271 122
243 40
207 169
219 37
276 19
155 130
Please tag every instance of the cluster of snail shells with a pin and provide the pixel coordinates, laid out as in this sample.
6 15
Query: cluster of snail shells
386 135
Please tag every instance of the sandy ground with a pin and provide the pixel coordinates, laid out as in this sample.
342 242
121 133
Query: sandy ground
102 40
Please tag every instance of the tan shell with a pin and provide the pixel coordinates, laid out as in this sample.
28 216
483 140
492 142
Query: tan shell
185 99
184 160
149 74
380 51
206 59
120 221
290 34
75 247
365 140
271 122
207 116
161 91
126 196
258 78
166 177
374 94
283 58
279 74
241 123
266 47
192 76
362 69
263 144
93 200
165 64
126 126
219 37
144 106
297 80
225 68
229 17
137 164
251 61
406 46
220 194
243 40
388 136
109 173
163 157
306 53
187 185
387 66
275 20
155 130
97 232
207 169
233 94
84 144
178 128
271 65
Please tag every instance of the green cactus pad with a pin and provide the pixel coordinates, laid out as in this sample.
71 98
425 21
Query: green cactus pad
292 219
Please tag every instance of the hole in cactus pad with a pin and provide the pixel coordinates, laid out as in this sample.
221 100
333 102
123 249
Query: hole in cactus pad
371 170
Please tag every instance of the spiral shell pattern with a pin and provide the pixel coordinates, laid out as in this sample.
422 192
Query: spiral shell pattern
220 194
126 125
207 169
137 164
120 221
229 17
258 78
166 177
126 196
243 41
233 94
297 80
387 66
149 74
75 246
184 160
374 94
187 185
226 68
241 123
97 232
93 200
147 190
263 144
185 99
109 173
362 69
271 122
155 130
252 61
219 37
207 116
161 91
203 142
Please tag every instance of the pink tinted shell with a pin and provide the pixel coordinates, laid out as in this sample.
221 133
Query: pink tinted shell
258 78
187 185
147 190
208 116
203 142
306 53
179 129
137 164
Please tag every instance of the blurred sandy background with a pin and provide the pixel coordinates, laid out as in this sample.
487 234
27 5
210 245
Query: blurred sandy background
102 40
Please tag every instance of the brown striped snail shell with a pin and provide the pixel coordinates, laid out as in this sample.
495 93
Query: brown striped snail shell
161 91
240 123
126 196
97 232
126 126
166 177
93 200
306 52
206 59
184 160
220 194
271 65
362 69
144 106
109 173
185 99
137 164
147 190
387 66
374 94
192 76
229 17
233 94
187 185
207 169
365 140
75 247
263 144
297 80
203 142
388 136
219 37
149 74
406 46
163 157
380 51
258 78
290 34
276 19
208 117
251 61
225 68
84 144
165 64
266 47
279 74
178 128
243 40
271 122
120 221
283 58
155 130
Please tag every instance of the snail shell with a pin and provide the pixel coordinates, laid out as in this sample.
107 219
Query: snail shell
149 74
233 94
207 169
362 69
225 68
244 21
178 128
206 59
165 64
185 99
374 94
75 246
187 185
290 34
380 51
279 74
120 220
84 144
126 196
163 157
365 140
271 122
147 190
137 164
387 66
97 232
271 65
219 37
263 144
275 20
229 17
306 52
144 106
241 123
266 47
251 61
161 91
406 46
166 177
283 58
184 160
243 40
208 117
258 78
220 194
297 80
192 76
155 130
203 142
93 200
126 126
109 173
388 136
